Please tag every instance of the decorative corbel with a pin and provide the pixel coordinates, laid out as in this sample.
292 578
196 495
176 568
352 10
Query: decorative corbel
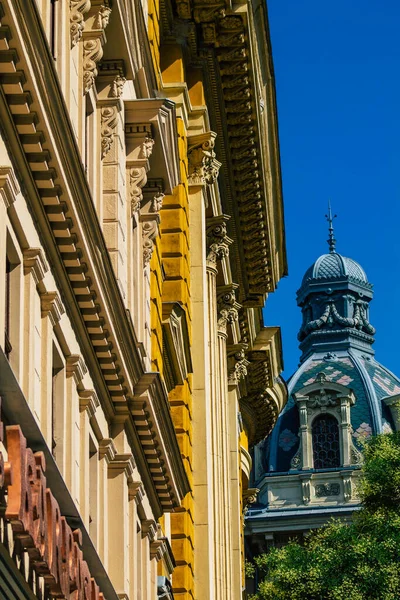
149 233
139 143
218 241
93 42
228 308
110 85
52 306
35 262
77 10
203 166
89 402
9 188
237 363
249 497
76 368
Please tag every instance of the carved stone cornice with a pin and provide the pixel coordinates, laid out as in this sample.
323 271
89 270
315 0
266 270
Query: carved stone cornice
203 166
77 8
93 42
222 41
35 262
237 363
9 188
228 307
218 241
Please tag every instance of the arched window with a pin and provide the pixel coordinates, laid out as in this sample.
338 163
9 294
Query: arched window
325 438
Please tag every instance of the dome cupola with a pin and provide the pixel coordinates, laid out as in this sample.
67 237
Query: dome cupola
334 297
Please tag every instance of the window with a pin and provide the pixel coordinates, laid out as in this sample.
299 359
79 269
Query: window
325 440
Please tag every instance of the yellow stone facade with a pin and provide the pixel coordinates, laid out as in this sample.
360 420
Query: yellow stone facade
141 232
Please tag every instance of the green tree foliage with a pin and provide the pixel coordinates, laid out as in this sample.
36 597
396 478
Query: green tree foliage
358 561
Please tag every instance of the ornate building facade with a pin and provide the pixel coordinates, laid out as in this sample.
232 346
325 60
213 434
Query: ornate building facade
307 469
141 231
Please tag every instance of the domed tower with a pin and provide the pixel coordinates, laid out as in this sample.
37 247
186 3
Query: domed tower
307 469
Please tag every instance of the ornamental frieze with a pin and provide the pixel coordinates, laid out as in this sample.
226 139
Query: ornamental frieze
40 537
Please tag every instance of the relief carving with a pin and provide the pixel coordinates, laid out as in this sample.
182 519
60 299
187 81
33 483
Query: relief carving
109 117
218 241
237 363
102 18
92 53
77 8
137 180
203 166
228 307
117 86
149 233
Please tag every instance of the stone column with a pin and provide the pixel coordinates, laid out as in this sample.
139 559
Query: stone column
218 244
305 437
202 451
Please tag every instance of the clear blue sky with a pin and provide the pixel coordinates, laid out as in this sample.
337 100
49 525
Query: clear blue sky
337 69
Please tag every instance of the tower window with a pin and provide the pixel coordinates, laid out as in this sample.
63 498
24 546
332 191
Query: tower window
325 438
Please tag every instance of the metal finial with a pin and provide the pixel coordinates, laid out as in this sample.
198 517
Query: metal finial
331 241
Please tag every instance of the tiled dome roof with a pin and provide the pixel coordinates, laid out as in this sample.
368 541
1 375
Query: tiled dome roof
334 266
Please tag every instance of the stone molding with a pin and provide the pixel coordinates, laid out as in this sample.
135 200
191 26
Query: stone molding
227 306
218 241
122 463
203 166
76 368
52 306
78 8
237 363
35 262
93 42
249 496
9 188
140 143
136 491
89 401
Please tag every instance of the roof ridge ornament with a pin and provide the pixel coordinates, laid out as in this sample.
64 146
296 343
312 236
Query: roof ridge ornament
331 240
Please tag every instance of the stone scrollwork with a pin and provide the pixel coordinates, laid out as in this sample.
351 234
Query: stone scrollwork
137 178
203 166
249 497
109 116
218 241
149 233
93 41
228 307
92 53
78 8
237 363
